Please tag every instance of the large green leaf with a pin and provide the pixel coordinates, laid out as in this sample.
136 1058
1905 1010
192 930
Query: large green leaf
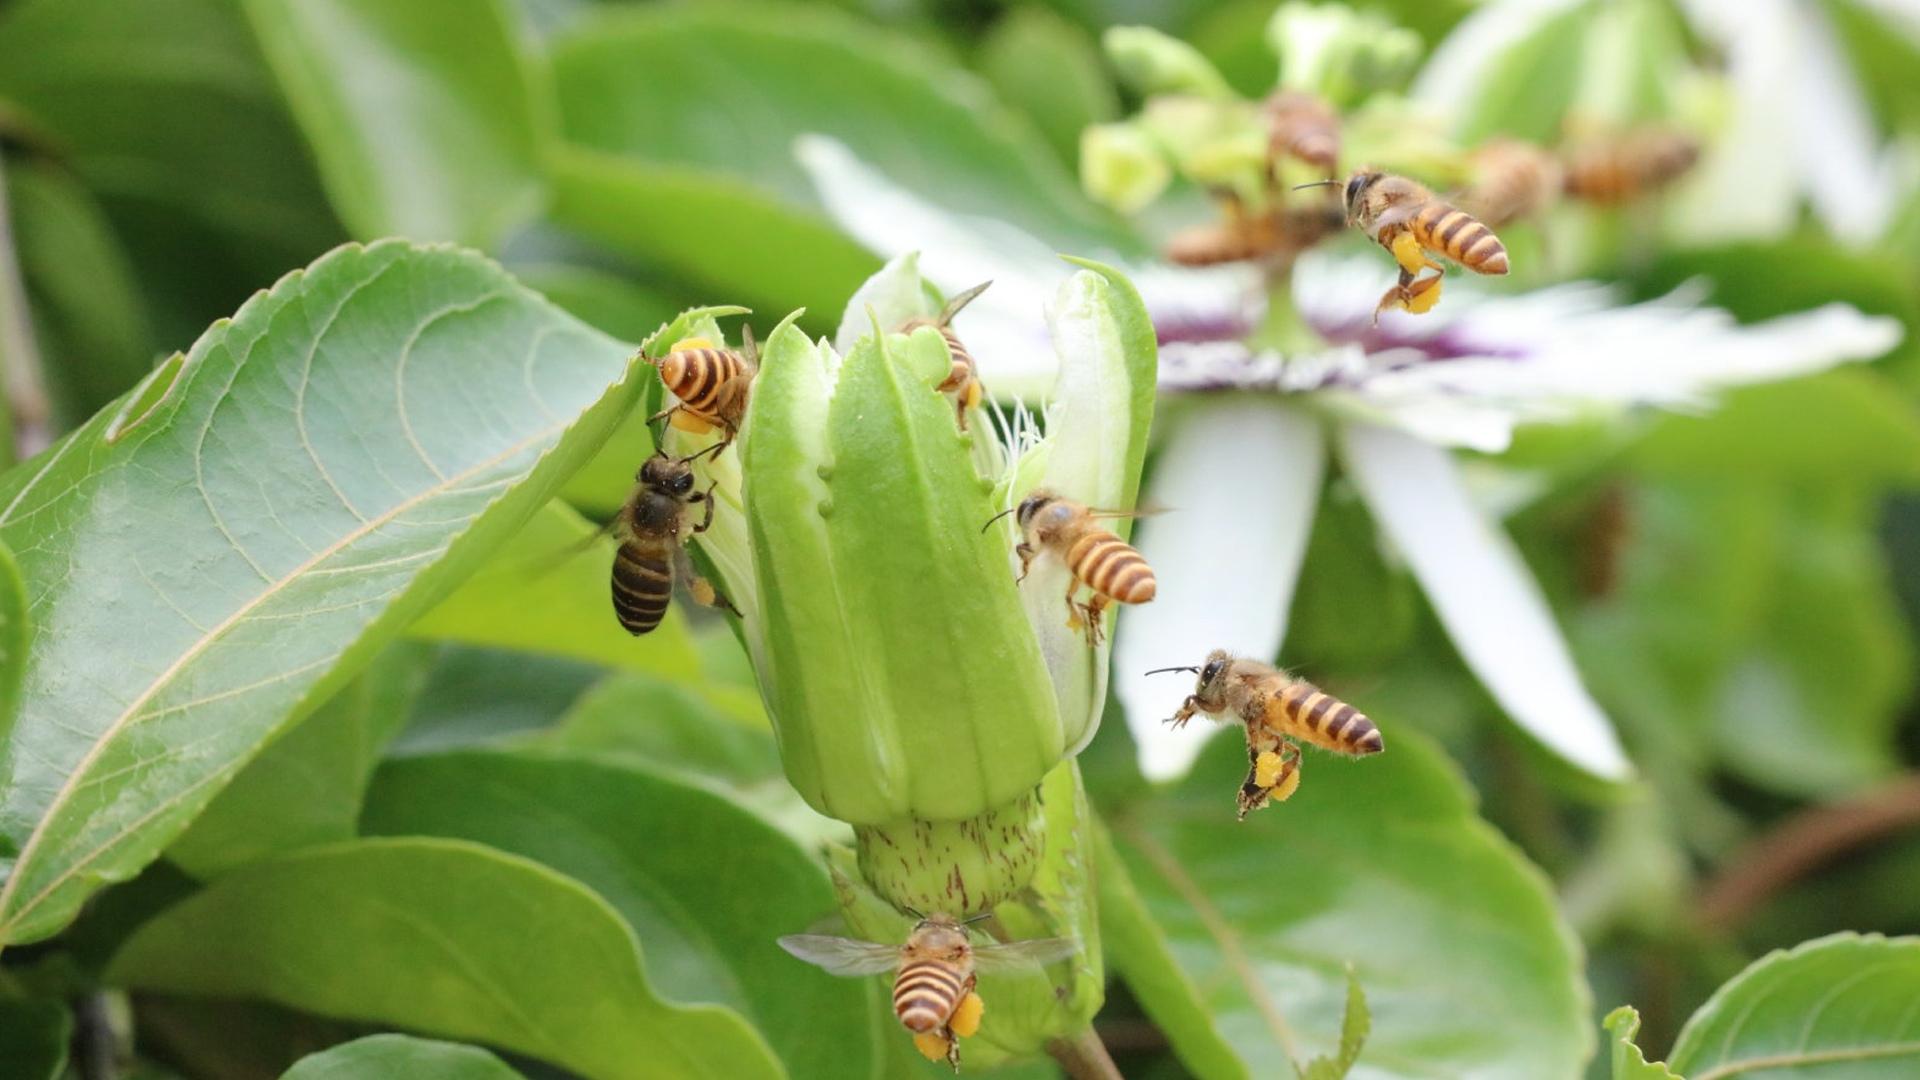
378 1057
306 788
705 884
229 545
682 725
685 119
445 937
167 112
1052 71
666 86
423 115
1836 1008
1235 936
547 591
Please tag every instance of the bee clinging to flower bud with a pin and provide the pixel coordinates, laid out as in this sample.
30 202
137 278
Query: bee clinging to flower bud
711 383
935 974
1095 557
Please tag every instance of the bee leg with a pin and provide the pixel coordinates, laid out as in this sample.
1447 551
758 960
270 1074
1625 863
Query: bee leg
1185 713
698 587
666 414
1096 617
1408 253
1076 616
706 521
1396 297
1026 552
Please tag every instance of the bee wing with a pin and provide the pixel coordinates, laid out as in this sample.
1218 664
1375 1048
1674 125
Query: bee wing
842 956
1022 955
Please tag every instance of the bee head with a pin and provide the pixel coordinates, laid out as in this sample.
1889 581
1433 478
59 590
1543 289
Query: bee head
1213 674
1357 186
673 476
1032 505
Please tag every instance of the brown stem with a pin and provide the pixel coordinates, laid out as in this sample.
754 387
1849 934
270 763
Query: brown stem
1801 843
1084 1057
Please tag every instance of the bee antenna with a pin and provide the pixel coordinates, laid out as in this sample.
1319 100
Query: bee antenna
1157 671
997 517
1317 183
977 918
915 912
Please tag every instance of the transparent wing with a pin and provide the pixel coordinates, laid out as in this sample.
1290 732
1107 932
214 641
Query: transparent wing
842 956
1018 955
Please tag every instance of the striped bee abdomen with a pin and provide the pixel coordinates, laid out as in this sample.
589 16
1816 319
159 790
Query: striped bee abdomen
925 995
1109 566
1325 721
642 587
1457 235
699 375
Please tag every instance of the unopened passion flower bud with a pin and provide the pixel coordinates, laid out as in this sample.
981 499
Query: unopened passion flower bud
1155 63
916 691
1339 54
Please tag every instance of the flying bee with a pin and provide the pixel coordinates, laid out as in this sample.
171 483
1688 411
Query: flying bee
1300 125
1108 566
933 984
1512 181
710 382
1614 168
652 527
1406 219
1280 235
962 384
1276 709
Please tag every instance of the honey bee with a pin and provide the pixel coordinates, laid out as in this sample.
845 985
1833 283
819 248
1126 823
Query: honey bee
710 382
933 985
1242 237
651 527
1108 566
962 384
1512 181
1406 219
1276 709
1614 168
1300 125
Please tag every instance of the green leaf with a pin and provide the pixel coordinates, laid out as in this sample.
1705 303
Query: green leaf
146 103
330 461
444 937
377 1057
714 230
306 787
1355 1025
1850 424
1050 70
666 168
1622 1025
33 1038
547 591
1838 1006
1235 935
652 847
1526 90
487 697
648 720
423 115
88 316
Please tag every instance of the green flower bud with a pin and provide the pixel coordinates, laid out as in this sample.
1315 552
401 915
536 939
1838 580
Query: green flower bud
1214 143
1154 63
1121 166
909 679
1343 56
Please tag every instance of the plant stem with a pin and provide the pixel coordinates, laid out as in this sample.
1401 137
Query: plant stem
1778 857
20 370
1084 1057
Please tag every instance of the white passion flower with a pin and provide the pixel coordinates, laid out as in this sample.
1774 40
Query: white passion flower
1394 401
